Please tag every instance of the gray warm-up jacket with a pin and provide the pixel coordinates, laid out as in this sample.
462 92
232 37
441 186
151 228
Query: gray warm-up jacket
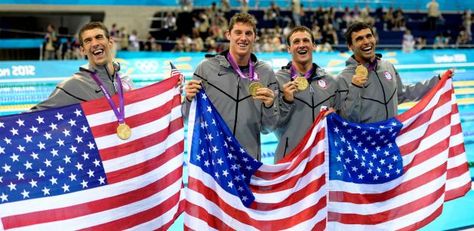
229 93
378 99
82 87
297 117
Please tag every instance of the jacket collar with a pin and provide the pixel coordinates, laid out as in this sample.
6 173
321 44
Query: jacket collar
317 73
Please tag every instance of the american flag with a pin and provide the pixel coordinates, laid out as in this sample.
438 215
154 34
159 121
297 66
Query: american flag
66 168
228 189
328 181
399 177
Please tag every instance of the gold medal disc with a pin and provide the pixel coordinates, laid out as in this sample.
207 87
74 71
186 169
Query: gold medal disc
302 83
253 87
361 70
123 131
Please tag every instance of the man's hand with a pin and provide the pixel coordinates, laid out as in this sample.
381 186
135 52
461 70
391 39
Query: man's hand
192 88
289 90
359 80
266 95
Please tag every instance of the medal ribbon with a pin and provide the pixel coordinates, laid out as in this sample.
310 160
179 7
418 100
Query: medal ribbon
119 114
236 67
294 75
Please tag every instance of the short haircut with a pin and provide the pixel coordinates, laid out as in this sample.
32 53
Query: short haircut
299 29
243 18
355 27
91 26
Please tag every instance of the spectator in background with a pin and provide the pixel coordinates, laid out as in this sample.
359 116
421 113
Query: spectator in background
420 43
463 38
440 41
50 44
225 5
389 20
133 43
408 43
467 22
434 14
296 11
123 39
244 6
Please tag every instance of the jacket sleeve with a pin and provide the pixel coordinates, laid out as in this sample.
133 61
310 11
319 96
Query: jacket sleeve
269 115
59 97
348 97
416 91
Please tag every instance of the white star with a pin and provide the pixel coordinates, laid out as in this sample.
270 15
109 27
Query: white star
6 168
4 197
209 109
387 174
47 163
79 139
45 191
72 122
230 184
67 159
15 157
53 126
101 180
206 163
59 116
34 129
2 150
72 176
96 162
1 179
85 155
41 173
77 112
28 138
47 135
8 141
26 194
60 170
54 152
2 125
12 186
14 131
84 184
376 177
361 176
40 120
41 146
225 173
73 149
28 165
338 158
53 180
90 173
91 145
20 122
60 142
78 166
33 183
84 129
34 156
66 132
65 188
219 161
215 149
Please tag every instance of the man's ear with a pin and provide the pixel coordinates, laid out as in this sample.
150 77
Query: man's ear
81 48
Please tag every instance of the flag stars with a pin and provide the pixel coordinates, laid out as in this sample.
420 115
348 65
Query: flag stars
215 149
33 183
66 132
78 166
25 194
91 145
34 155
54 152
395 157
12 186
101 180
53 180
53 126
28 139
59 116
34 129
41 173
398 171
339 172
8 141
4 197
230 184
47 135
20 176
15 157
369 138
14 131
72 177
6 168
60 142
65 188
96 162
78 112
67 159
45 191
360 176
78 139
90 173
28 165
47 163
73 149
41 145
2 125
84 184
60 170
387 175
84 129
72 122
209 109
40 120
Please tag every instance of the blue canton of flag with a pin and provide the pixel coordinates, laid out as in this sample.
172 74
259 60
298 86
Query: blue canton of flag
47 153
218 153
364 153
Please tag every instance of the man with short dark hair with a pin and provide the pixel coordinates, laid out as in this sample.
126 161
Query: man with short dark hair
240 86
306 88
370 88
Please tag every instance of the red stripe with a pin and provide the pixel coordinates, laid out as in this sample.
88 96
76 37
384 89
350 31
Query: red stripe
367 198
147 166
293 181
138 119
427 154
423 102
458 192
457 171
457 150
94 206
133 96
144 216
432 128
211 220
292 219
141 143
402 210
297 160
425 221
426 116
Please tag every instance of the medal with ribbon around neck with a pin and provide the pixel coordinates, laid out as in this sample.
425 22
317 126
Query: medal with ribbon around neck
255 84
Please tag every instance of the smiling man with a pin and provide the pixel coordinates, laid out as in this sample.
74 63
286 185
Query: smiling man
306 88
370 88
97 46
241 87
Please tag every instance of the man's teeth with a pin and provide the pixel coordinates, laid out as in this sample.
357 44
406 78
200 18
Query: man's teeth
97 52
302 52
367 49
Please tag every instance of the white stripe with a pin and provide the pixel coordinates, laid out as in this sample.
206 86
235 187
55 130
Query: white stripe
144 154
112 214
311 222
391 203
413 172
319 148
420 131
65 200
280 213
458 181
133 108
456 161
196 224
140 131
191 122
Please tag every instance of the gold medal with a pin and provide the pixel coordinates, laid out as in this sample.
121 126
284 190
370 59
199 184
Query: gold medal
123 131
361 70
253 87
301 83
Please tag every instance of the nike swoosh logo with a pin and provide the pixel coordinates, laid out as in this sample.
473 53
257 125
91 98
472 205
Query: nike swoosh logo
97 91
220 74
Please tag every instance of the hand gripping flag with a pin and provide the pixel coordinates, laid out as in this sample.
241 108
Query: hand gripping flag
396 174
66 168
390 175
